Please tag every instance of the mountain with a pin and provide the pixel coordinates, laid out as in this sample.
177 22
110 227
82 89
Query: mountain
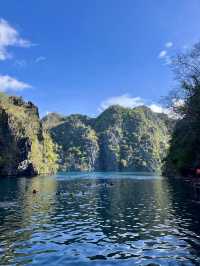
25 148
118 139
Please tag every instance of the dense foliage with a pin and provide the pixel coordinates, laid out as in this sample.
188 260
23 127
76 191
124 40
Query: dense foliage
25 149
119 139
184 152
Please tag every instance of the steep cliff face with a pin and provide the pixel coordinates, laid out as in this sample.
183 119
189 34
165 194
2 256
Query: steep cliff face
119 139
78 146
25 149
133 139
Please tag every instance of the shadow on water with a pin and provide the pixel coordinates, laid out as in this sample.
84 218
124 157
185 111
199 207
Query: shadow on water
186 206
98 219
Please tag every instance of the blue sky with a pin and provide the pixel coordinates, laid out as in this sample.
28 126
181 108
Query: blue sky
80 56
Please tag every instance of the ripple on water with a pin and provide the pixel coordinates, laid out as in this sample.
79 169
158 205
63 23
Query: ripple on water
74 221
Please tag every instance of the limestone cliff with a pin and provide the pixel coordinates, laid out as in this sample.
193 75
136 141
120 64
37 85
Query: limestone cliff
25 148
118 139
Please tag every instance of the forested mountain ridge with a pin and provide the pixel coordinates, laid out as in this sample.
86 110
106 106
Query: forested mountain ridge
118 139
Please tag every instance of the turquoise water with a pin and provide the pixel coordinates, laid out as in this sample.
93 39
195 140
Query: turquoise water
99 219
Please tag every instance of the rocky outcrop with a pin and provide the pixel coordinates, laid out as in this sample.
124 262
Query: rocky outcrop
25 148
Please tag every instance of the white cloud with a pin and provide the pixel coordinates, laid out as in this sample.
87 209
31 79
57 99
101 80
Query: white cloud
9 36
39 59
127 101
162 54
169 44
124 100
9 83
158 108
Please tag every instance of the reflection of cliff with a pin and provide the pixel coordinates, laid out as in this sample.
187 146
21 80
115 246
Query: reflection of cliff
26 213
162 197
185 203
122 217
134 207
43 201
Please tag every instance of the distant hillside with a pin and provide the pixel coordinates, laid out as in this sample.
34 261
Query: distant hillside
118 139
25 148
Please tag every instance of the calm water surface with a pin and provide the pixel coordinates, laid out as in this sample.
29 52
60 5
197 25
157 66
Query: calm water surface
99 219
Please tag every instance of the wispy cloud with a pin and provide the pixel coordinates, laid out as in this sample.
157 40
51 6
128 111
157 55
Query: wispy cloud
9 83
169 44
9 37
158 108
162 54
20 63
124 100
128 101
40 59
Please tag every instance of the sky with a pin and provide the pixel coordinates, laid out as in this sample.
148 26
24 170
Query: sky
81 56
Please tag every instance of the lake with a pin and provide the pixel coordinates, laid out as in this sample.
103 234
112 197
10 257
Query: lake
99 219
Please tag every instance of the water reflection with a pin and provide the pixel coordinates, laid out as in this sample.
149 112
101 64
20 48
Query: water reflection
187 214
23 214
98 219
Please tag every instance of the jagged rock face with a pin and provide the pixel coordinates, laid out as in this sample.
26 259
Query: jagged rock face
77 143
134 139
119 139
109 142
25 149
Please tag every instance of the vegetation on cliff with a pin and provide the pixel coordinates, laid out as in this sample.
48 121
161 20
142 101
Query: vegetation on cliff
25 148
184 152
118 139
77 142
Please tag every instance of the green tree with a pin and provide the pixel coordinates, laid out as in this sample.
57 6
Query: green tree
184 152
